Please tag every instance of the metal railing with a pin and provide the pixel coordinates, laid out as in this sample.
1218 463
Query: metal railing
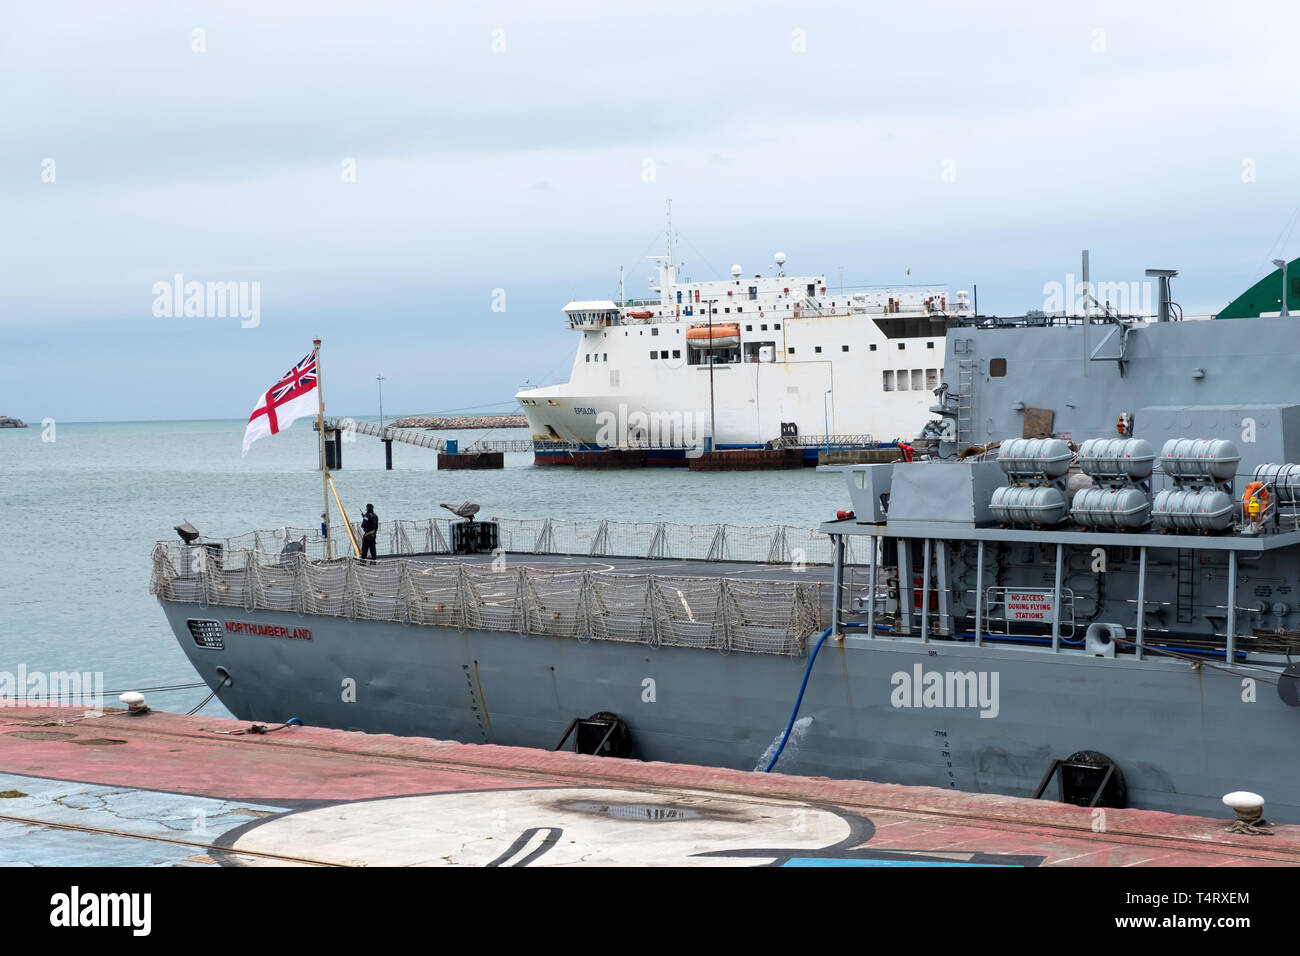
762 544
726 615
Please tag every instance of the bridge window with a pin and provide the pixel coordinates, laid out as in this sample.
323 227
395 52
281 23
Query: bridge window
997 367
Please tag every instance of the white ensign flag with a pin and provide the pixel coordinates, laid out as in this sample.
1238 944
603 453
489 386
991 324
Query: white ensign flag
294 396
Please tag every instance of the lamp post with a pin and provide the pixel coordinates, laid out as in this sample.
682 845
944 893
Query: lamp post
826 416
712 420
380 380
1281 264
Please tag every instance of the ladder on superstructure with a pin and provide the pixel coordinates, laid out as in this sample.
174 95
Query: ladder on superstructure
965 407
1184 610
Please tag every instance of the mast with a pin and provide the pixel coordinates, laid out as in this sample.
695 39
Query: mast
1088 300
320 430
670 233
667 270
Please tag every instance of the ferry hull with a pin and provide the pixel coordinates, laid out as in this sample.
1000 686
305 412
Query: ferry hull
1182 736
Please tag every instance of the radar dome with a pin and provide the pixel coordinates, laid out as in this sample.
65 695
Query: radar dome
736 270
779 258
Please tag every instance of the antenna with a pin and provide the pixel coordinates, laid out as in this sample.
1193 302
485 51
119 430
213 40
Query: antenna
670 233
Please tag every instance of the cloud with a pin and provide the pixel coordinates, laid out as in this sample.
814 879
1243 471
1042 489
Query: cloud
525 168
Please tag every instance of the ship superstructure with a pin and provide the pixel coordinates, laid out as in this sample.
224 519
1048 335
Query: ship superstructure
745 361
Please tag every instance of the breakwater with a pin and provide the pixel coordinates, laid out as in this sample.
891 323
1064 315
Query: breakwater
461 421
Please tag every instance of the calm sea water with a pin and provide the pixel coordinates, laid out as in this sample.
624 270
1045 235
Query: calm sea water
81 514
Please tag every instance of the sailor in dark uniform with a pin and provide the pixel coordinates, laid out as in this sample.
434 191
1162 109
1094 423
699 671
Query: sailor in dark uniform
369 530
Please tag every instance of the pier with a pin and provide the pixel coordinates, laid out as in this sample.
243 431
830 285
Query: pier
163 789
781 453
480 454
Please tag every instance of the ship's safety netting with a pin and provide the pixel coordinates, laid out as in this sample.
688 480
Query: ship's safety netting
767 544
723 614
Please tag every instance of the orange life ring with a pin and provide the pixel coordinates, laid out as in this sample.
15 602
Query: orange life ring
1255 491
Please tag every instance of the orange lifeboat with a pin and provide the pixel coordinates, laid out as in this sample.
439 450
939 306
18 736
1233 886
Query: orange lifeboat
725 336
641 315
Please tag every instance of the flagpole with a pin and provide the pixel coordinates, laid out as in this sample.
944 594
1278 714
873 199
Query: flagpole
320 429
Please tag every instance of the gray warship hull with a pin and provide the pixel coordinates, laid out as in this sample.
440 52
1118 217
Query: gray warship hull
1182 736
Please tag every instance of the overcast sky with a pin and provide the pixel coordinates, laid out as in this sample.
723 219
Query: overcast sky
531 148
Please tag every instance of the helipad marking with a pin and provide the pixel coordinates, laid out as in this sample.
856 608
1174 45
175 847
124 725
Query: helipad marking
831 861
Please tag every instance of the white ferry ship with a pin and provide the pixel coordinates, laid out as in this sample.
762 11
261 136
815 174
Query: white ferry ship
744 362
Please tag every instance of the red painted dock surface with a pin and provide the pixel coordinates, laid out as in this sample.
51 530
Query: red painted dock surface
164 788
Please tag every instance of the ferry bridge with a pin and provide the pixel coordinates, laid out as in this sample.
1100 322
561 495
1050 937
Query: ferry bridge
337 429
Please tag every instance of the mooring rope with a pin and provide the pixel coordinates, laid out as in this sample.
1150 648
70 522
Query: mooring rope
1250 821
198 707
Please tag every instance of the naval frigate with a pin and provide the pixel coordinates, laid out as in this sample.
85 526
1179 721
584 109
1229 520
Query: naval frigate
1092 580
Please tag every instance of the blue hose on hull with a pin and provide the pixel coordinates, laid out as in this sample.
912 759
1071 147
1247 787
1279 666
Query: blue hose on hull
795 713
